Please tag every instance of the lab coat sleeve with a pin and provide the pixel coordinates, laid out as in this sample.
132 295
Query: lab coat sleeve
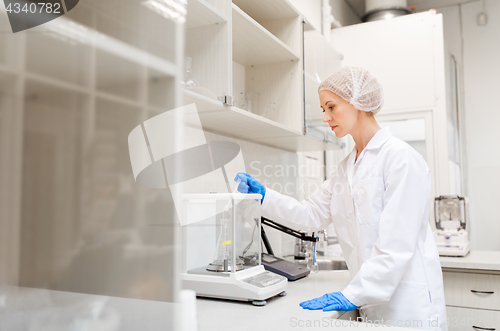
407 189
309 215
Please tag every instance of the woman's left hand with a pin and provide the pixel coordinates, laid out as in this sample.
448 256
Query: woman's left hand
329 302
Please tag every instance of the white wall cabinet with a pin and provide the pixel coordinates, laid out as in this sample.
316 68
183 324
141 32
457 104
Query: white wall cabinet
394 50
407 55
252 52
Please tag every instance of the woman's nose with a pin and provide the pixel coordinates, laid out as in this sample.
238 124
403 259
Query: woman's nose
327 118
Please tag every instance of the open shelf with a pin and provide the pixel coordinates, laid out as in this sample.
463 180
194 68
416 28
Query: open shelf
203 103
241 124
308 26
44 98
7 70
253 44
57 58
119 76
56 83
9 43
201 13
300 143
160 90
117 99
7 83
265 9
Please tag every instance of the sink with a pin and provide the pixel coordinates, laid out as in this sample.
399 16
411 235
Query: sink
328 264
331 265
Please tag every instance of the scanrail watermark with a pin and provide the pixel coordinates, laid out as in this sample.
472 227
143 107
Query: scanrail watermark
270 176
327 322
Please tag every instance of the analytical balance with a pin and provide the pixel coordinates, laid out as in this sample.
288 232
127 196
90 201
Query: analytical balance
451 219
222 252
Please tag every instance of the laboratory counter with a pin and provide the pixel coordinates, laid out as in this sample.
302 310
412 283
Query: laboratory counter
281 313
475 260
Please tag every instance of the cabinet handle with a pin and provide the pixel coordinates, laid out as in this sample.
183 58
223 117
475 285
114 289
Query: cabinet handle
484 292
480 328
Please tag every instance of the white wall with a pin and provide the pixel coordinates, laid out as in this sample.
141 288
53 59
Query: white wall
481 69
311 9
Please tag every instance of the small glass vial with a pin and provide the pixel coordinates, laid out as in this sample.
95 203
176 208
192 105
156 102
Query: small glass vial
312 263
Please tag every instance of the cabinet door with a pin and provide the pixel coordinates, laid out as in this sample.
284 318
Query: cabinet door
320 59
401 53
472 290
465 319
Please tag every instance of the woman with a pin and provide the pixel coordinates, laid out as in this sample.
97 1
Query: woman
378 202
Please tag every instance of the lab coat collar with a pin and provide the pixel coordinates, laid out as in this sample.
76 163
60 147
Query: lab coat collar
380 137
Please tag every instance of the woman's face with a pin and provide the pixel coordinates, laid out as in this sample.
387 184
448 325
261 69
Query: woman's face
340 115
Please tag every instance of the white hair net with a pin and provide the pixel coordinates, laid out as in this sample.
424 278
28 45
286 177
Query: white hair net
356 86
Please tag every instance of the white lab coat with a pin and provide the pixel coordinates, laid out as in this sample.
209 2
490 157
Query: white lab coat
379 206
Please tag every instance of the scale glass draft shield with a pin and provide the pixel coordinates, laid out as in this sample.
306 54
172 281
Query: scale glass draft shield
227 242
449 212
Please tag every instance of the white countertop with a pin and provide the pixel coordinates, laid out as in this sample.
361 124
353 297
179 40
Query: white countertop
280 313
477 260
284 313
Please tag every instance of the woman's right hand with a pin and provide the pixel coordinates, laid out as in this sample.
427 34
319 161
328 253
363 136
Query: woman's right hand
249 184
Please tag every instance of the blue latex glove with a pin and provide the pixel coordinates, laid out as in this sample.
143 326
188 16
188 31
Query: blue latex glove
250 185
329 302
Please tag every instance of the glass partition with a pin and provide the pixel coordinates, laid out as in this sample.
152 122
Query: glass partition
81 245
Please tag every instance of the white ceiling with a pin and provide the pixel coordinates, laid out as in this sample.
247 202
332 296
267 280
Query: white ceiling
420 5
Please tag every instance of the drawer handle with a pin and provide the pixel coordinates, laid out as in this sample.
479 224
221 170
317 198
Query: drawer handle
480 328
484 292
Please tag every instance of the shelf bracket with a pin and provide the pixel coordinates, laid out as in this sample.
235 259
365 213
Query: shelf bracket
227 100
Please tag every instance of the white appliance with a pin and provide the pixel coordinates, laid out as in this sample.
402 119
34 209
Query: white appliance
450 235
222 252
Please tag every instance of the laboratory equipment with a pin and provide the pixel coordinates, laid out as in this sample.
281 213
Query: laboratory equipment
450 215
312 263
290 270
300 252
222 253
